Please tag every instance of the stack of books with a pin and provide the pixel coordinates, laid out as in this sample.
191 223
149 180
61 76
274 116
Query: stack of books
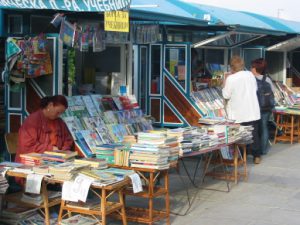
129 139
233 133
107 152
246 135
92 162
152 150
23 169
31 159
16 214
42 169
121 156
100 177
58 156
34 199
79 220
3 185
37 219
65 171
215 120
177 133
121 173
194 139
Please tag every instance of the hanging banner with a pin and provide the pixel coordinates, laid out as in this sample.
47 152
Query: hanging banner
116 21
67 5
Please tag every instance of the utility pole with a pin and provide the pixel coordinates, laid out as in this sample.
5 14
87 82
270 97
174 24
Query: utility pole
279 12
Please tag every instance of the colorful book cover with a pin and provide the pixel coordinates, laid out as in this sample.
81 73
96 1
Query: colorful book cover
118 103
73 125
67 33
82 145
97 102
91 108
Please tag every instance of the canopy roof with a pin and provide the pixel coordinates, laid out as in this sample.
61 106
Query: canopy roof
214 16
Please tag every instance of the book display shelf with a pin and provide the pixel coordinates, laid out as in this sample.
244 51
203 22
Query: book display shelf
95 121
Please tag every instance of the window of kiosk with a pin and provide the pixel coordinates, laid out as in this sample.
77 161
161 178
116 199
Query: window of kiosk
250 54
155 77
214 63
175 63
38 22
15 24
99 72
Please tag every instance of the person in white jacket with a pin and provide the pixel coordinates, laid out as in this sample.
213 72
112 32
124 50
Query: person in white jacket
239 90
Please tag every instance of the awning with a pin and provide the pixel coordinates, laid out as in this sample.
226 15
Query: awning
67 5
288 45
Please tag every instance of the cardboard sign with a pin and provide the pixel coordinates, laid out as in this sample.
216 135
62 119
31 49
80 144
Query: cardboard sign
116 21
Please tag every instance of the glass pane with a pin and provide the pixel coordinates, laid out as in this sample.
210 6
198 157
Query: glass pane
36 22
155 69
251 54
15 99
175 63
46 82
143 78
15 24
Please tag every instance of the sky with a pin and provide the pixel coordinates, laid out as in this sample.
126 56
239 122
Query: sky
284 9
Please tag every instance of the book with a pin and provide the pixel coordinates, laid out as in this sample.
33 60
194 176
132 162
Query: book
92 162
92 139
90 105
79 220
82 146
74 125
97 102
62 153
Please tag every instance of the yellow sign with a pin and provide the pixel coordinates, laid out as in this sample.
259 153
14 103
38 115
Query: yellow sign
116 21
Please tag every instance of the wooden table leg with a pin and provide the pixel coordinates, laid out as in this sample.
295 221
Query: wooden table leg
167 197
46 202
151 190
292 129
103 206
245 162
121 199
60 215
276 130
236 149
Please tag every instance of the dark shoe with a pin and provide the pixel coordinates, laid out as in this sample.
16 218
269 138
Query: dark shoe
257 160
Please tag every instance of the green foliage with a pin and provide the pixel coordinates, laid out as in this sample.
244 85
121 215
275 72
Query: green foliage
71 65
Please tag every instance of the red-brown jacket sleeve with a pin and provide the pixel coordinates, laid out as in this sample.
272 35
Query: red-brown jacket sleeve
29 142
32 137
67 137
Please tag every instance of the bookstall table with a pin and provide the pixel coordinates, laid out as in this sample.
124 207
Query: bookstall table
105 208
288 122
235 162
151 190
16 197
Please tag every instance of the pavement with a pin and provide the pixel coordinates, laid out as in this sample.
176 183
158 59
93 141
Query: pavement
271 196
